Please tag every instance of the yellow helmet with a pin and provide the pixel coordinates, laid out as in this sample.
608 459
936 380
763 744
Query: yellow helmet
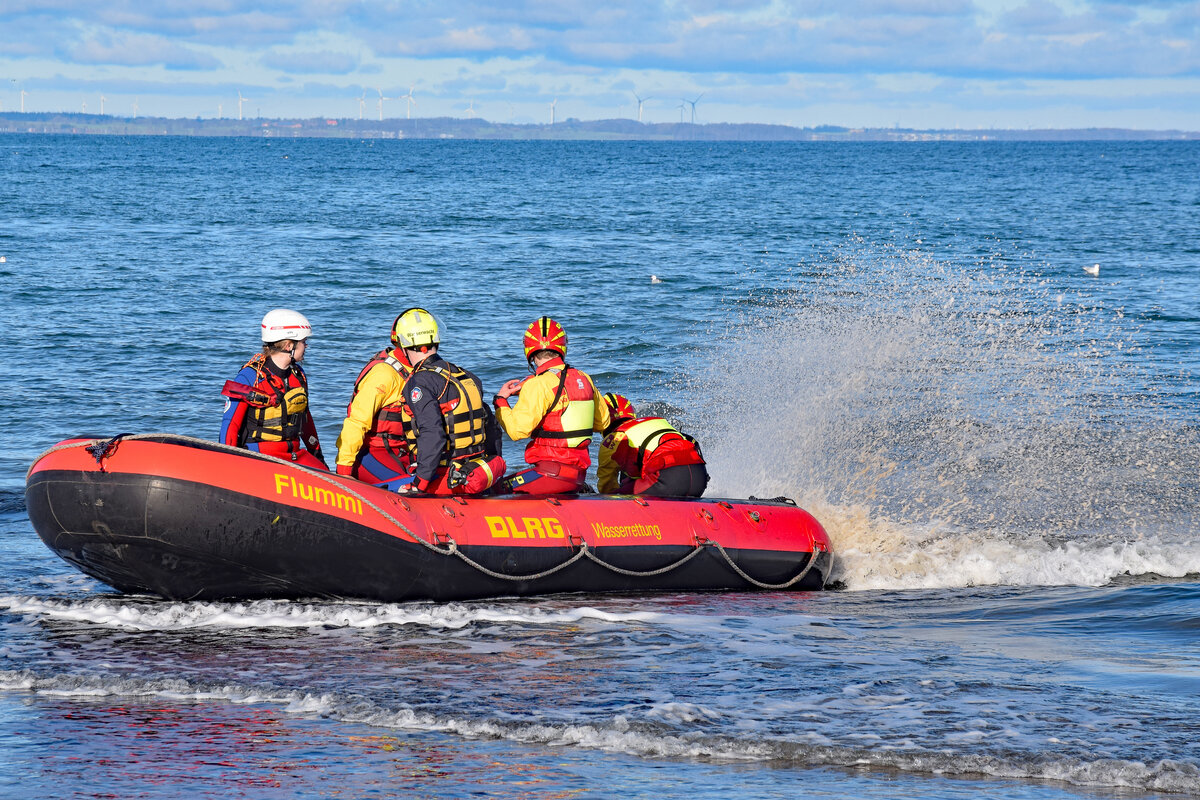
415 328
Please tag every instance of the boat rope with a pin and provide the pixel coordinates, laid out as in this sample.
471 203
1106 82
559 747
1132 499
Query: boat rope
697 550
812 559
101 448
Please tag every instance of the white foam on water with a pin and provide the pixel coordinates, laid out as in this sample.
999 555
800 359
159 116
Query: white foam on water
132 614
954 425
646 740
682 712
876 553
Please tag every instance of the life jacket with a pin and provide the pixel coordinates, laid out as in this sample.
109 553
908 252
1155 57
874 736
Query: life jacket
463 414
282 420
654 442
392 427
570 426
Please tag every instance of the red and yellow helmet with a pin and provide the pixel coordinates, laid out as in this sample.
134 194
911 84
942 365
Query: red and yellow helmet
545 334
620 406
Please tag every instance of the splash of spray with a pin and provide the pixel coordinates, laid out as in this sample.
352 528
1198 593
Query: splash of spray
954 425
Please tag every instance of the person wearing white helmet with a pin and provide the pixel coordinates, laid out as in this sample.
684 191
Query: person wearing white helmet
266 405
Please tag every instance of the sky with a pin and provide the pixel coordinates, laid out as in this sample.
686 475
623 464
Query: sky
855 63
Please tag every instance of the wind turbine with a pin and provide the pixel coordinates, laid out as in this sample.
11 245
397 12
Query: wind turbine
23 93
381 99
552 105
240 101
102 99
220 111
692 103
83 108
682 105
641 100
362 101
471 110
411 102
135 108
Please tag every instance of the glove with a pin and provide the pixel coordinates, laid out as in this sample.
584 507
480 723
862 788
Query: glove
345 469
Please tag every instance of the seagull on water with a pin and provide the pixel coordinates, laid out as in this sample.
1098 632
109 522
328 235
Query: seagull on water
655 279
1093 270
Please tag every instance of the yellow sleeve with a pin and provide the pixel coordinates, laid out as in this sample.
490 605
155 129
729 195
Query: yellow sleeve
532 406
603 416
608 473
378 385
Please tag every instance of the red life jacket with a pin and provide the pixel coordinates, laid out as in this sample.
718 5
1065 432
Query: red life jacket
652 444
564 435
392 425
283 419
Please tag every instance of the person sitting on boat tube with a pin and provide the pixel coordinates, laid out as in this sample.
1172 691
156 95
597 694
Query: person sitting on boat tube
373 446
558 409
454 440
647 455
266 405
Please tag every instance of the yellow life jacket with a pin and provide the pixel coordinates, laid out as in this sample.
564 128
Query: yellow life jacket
463 414
282 420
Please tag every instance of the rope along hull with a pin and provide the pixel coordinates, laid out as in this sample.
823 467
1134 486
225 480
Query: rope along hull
185 519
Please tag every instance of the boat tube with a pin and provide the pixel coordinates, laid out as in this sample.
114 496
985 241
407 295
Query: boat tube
188 519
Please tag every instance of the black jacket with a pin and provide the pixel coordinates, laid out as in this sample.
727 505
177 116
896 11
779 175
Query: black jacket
421 392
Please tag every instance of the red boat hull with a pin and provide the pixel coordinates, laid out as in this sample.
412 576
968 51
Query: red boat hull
183 519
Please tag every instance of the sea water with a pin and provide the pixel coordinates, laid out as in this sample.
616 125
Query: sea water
1004 448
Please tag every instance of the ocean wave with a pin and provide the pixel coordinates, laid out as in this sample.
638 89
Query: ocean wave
641 739
140 615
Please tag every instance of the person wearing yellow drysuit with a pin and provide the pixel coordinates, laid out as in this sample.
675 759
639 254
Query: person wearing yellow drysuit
558 409
373 445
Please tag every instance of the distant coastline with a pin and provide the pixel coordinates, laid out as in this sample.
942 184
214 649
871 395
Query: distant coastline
567 130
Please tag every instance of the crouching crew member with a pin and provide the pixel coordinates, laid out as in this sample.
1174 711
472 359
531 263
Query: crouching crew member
646 455
373 446
558 409
454 439
266 405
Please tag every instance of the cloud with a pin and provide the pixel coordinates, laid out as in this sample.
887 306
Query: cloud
311 63
950 38
126 49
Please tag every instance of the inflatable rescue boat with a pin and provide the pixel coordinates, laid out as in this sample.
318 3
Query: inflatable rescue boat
187 519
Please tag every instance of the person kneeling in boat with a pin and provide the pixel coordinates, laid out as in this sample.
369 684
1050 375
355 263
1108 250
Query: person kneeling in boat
266 405
454 438
647 455
558 409
373 445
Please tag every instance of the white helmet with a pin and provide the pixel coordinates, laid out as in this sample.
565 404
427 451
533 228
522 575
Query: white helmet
283 323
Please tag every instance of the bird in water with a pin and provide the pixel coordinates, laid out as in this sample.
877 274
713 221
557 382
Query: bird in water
655 279
1093 270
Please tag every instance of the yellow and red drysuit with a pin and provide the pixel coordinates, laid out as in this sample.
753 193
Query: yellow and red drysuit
649 456
373 445
558 409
